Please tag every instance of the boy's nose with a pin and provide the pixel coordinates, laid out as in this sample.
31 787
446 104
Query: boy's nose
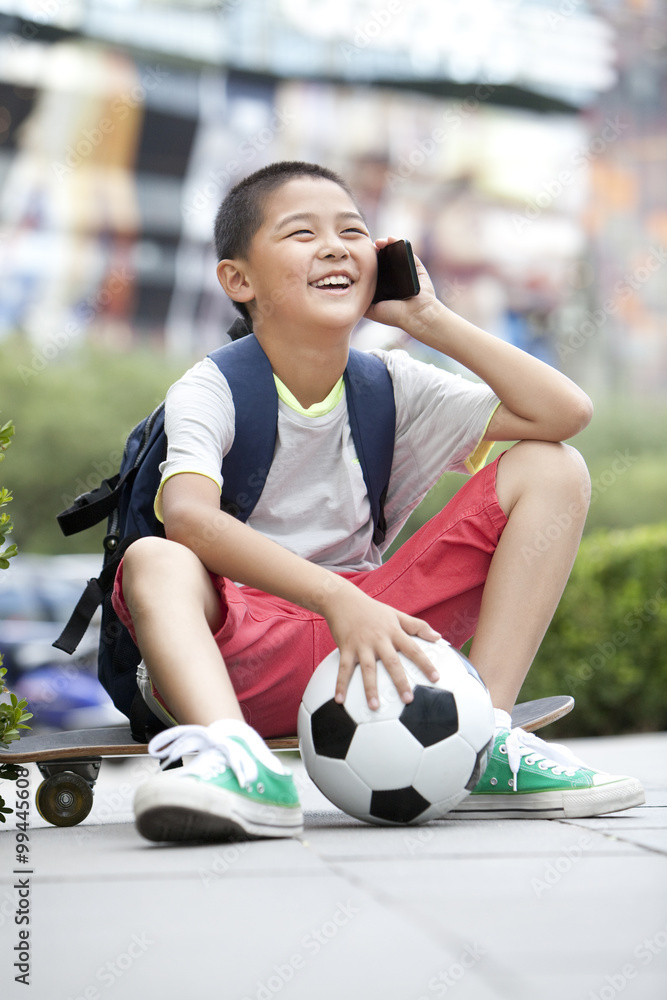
333 248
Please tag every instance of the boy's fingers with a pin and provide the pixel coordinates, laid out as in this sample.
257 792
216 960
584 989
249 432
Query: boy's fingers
345 667
422 629
394 668
384 240
388 653
369 674
367 665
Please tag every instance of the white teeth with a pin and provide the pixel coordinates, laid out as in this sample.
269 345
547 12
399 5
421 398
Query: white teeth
333 279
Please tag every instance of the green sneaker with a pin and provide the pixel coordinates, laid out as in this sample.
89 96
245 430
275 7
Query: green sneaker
527 778
233 789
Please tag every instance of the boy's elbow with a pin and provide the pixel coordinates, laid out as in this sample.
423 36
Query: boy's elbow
580 414
176 528
181 524
574 413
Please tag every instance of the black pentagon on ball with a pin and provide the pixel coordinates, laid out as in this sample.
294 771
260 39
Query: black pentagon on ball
398 805
432 715
332 730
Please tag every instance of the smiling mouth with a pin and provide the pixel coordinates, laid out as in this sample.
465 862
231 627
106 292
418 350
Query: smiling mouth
333 281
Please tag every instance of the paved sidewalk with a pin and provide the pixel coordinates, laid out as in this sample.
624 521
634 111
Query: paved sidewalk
555 910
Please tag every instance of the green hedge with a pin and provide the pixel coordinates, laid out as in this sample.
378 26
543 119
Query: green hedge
607 643
73 414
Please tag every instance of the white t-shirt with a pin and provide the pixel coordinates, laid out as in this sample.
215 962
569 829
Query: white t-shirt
314 501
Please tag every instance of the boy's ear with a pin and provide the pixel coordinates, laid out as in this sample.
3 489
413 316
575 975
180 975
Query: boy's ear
235 281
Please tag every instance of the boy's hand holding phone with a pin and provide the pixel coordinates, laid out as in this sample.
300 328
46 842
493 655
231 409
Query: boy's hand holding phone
397 272
403 288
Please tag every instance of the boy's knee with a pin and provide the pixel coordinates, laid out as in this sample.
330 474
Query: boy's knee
567 469
553 468
150 557
144 552
157 571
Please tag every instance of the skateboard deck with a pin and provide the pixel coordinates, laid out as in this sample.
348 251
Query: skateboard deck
70 761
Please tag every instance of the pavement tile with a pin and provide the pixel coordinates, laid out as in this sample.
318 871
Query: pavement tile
249 939
560 910
116 851
653 840
458 838
597 911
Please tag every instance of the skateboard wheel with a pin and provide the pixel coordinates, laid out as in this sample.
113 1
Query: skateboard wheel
64 799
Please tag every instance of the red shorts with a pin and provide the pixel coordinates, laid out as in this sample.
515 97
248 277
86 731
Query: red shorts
272 646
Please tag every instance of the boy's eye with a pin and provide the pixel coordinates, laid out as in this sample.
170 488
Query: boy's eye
309 232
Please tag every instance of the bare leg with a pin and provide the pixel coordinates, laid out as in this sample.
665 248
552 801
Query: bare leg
176 611
544 489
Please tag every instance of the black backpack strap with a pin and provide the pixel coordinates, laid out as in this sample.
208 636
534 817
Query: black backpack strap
90 600
371 411
91 508
245 467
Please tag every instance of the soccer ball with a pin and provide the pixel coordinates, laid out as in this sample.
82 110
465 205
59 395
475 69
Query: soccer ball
401 763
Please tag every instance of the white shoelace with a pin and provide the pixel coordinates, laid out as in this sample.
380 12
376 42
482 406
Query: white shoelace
551 756
214 752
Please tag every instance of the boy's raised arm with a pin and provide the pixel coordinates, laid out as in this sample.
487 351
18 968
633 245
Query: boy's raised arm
364 630
537 401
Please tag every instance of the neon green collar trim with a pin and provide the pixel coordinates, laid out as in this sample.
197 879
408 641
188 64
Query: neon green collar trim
317 409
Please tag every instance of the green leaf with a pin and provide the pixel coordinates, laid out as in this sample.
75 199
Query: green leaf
10 772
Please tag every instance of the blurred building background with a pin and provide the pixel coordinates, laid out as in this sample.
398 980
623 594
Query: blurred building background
520 145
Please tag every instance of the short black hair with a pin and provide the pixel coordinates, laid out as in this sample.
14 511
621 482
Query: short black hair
242 210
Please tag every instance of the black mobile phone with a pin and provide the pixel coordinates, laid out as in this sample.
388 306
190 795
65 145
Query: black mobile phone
397 274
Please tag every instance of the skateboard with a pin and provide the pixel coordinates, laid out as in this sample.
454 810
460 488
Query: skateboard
70 762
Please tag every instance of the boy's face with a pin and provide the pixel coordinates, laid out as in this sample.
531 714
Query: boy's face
311 262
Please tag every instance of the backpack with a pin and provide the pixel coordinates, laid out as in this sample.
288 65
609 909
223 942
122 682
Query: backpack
127 498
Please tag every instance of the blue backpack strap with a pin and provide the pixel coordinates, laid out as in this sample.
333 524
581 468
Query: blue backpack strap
245 467
371 411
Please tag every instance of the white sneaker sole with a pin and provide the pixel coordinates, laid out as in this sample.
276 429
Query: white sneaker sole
577 803
173 808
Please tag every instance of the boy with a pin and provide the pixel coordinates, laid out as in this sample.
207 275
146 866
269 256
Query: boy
231 659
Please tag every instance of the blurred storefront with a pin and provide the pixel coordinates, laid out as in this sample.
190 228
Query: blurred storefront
521 146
